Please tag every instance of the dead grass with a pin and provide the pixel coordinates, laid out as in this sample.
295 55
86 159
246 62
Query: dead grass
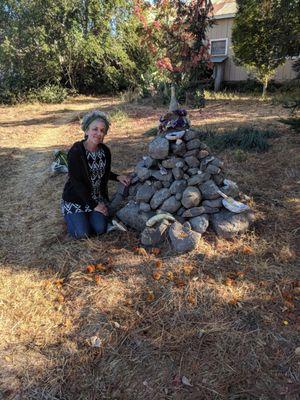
225 317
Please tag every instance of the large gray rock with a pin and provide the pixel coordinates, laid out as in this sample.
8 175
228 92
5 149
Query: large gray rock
182 238
194 152
203 153
219 179
200 223
171 205
159 148
191 134
145 207
194 212
230 188
209 190
145 192
193 144
177 173
156 235
159 197
216 203
162 177
143 173
171 162
131 216
227 224
157 185
192 161
178 149
149 162
218 163
212 169
178 196
178 186
198 179
191 197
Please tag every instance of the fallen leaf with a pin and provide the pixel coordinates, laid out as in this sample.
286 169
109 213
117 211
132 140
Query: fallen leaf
95 341
186 382
158 264
187 269
233 302
59 282
60 298
100 267
150 296
141 251
155 251
156 275
7 358
170 275
289 304
110 260
179 283
90 268
97 279
240 274
285 322
191 299
128 302
229 282
297 351
247 249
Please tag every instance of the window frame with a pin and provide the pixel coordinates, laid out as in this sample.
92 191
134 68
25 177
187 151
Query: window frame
218 40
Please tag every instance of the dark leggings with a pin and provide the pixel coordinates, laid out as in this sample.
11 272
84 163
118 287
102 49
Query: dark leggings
81 225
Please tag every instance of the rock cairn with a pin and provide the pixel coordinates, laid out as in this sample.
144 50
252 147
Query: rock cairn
175 190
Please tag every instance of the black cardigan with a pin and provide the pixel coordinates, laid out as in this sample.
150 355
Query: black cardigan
78 188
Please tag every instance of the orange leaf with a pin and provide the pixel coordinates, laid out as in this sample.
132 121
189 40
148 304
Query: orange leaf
90 268
97 279
170 275
240 274
179 283
247 249
229 282
191 299
141 251
233 302
60 298
100 267
158 264
155 251
59 282
128 302
156 276
150 296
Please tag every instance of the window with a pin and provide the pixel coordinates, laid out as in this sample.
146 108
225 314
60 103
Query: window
218 47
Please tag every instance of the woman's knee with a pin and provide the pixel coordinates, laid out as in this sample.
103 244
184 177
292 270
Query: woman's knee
98 222
77 226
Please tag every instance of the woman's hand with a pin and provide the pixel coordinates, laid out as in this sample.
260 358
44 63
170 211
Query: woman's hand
124 179
101 207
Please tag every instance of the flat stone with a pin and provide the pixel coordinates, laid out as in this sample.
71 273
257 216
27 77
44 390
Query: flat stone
200 223
191 134
191 197
171 162
178 186
149 162
143 173
193 212
205 162
145 192
177 173
131 216
209 190
145 207
192 153
183 239
178 149
230 188
198 179
192 161
159 148
216 203
162 177
193 144
159 197
154 236
212 169
171 205
227 224
218 163
203 154
211 210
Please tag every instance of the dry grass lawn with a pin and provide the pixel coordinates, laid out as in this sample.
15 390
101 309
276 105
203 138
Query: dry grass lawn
223 319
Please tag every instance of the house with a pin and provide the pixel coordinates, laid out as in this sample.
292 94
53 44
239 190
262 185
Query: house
221 50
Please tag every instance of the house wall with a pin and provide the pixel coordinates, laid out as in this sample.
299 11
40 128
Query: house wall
223 29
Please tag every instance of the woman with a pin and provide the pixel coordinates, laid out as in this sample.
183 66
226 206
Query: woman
85 195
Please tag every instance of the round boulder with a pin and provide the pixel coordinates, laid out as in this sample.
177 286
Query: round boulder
191 197
159 148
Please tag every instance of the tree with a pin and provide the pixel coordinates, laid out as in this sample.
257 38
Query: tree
175 32
265 32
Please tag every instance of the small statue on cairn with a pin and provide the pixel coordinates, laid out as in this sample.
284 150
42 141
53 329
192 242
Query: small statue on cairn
180 189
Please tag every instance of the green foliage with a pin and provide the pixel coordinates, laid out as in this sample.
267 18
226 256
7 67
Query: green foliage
118 115
245 138
48 94
264 33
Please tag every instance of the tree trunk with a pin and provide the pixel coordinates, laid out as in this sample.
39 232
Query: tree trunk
265 86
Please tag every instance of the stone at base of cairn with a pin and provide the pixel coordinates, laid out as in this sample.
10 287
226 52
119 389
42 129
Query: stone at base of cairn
182 178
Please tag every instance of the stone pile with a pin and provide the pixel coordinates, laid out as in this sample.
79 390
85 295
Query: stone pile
175 191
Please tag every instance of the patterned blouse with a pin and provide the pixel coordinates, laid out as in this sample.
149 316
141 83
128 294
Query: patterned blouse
96 164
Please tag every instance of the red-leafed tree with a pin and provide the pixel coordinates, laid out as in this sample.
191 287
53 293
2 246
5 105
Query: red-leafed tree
175 32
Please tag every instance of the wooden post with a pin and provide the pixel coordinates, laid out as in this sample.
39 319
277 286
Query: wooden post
219 72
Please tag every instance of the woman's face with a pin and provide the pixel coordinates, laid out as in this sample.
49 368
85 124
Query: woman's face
96 132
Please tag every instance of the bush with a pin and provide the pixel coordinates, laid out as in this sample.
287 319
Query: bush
49 94
294 123
246 138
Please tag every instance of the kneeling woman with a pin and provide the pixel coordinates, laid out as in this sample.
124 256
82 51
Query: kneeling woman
85 195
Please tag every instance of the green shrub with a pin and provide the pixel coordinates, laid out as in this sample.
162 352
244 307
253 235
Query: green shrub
49 94
118 115
246 138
